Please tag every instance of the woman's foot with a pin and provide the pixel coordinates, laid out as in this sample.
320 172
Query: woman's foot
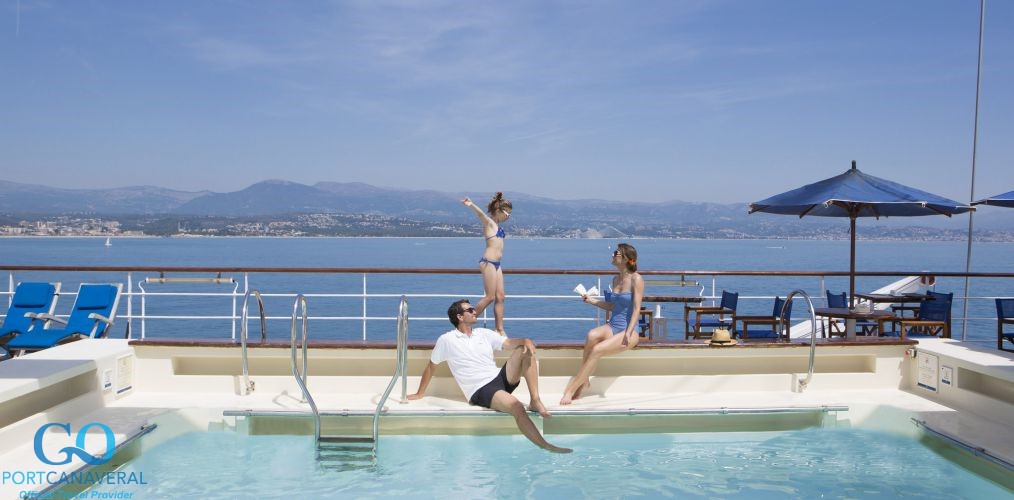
577 393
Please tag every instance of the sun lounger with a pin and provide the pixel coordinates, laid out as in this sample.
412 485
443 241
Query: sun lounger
91 316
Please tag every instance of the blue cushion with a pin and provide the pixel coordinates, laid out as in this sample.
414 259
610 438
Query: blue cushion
33 295
93 297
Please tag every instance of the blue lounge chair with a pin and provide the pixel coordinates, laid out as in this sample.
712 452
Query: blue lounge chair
29 298
1004 316
91 316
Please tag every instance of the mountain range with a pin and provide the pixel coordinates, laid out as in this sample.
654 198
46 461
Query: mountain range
277 197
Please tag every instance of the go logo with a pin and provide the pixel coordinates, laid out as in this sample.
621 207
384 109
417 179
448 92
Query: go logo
70 451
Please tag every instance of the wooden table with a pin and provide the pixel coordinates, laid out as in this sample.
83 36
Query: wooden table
851 316
684 299
901 299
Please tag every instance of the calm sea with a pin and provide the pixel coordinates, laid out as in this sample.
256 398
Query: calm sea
428 313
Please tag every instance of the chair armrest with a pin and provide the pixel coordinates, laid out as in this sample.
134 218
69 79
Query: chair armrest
45 317
99 318
710 309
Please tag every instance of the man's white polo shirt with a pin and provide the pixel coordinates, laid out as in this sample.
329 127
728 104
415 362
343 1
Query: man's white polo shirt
469 357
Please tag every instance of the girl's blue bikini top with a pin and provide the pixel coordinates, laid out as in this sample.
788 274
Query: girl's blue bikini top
499 233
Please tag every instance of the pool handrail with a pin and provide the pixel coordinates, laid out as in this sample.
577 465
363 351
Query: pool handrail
401 360
301 378
813 329
248 385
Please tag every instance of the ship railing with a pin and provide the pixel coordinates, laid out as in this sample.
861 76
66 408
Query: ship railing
363 288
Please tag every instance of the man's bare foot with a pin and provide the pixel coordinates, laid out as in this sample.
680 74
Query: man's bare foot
557 449
539 407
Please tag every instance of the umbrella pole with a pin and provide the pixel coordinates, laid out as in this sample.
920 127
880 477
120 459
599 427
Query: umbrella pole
852 263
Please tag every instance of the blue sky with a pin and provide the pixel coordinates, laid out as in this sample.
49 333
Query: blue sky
724 101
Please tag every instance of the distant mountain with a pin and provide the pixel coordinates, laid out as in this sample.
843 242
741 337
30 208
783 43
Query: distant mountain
34 199
594 217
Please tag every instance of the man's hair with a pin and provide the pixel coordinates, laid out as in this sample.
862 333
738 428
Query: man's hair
456 309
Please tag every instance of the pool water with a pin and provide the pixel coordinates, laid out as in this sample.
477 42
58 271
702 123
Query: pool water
810 463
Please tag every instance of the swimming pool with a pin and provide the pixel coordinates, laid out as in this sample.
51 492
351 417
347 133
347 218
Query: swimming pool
808 463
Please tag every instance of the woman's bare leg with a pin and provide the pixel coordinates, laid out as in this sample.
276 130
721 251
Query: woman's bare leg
613 345
489 287
498 305
594 337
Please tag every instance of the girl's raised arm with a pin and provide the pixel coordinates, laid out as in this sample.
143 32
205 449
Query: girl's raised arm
478 211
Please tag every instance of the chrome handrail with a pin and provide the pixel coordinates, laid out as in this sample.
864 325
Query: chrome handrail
301 379
401 360
248 385
813 331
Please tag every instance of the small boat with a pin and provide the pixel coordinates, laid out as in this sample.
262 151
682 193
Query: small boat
109 242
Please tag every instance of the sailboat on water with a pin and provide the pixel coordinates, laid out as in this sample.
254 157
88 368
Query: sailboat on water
109 242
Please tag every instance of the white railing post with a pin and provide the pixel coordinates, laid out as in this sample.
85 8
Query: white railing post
144 311
130 305
364 307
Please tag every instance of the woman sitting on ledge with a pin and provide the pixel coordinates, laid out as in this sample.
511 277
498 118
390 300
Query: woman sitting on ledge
620 333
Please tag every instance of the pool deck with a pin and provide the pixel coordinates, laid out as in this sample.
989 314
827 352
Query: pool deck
127 385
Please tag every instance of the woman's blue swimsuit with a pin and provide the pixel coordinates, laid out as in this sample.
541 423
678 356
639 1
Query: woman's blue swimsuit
499 234
623 309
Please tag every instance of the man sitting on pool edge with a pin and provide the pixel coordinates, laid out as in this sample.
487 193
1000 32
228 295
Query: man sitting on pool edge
469 353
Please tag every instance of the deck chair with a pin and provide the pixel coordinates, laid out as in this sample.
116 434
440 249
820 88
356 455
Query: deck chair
722 316
91 316
1004 316
934 318
29 298
771 321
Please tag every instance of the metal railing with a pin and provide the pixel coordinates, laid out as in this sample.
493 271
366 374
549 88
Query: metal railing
813 329
248 386
400 365
370 288
302 377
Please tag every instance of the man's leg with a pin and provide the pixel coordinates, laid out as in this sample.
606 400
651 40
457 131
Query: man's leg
504 402
524 363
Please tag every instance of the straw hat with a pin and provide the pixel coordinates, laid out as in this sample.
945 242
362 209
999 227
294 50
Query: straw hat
721 337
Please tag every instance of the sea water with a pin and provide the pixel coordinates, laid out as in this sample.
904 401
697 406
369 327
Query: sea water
464 253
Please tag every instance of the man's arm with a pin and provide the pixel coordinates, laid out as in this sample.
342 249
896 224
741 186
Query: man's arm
424 382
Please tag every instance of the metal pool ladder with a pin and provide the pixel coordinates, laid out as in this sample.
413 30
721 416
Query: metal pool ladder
341 451
813 331
248 385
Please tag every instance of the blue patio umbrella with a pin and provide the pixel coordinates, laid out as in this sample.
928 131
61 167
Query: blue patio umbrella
1000 200
855 194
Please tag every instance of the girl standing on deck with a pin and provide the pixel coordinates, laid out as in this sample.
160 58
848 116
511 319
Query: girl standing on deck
492 276
620 333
